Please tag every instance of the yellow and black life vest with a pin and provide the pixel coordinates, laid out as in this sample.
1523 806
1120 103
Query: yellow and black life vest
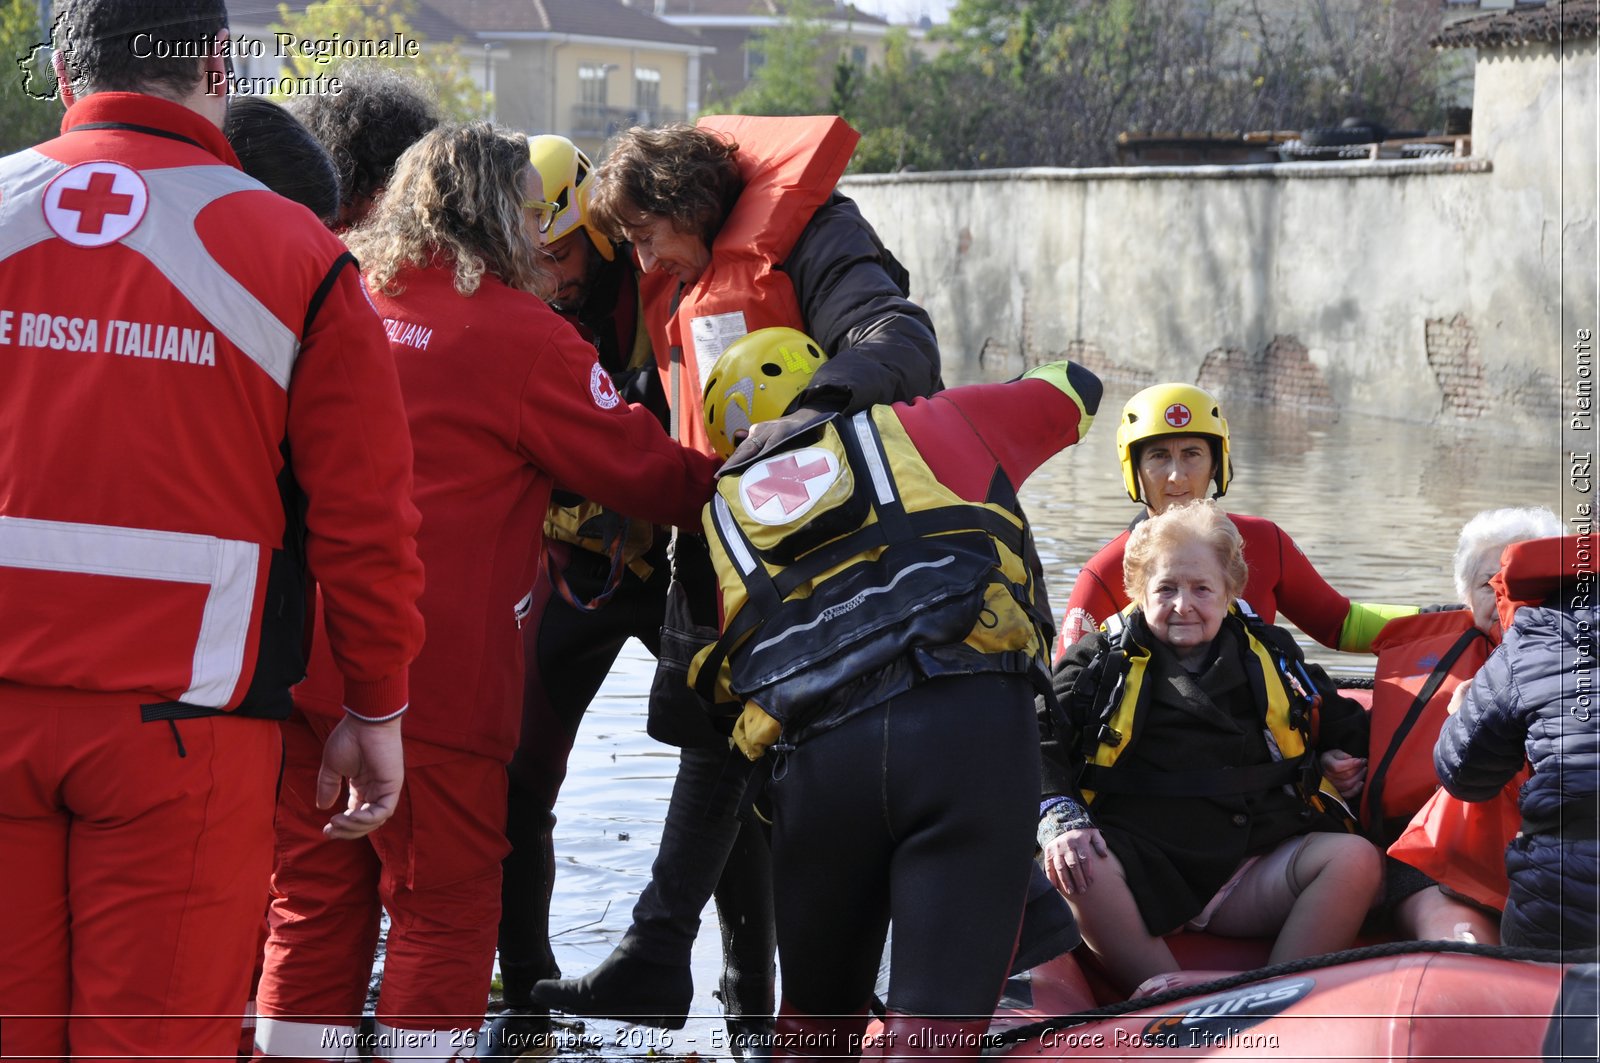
847 558
1112 694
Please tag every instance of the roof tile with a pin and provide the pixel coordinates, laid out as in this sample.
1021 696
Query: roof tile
1562 20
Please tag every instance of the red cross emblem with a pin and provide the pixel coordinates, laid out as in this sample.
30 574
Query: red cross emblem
786 481
601 388
95 203
1178 415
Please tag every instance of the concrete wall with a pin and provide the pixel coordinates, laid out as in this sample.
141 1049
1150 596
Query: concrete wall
1422 290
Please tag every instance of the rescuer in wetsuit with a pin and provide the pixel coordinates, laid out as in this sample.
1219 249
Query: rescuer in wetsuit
885 631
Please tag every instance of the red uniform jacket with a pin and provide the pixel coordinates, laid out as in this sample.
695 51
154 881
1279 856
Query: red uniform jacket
196 404
506 400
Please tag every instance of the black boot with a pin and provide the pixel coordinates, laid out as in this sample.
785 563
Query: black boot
624 988
519 1033
522 1030
528 878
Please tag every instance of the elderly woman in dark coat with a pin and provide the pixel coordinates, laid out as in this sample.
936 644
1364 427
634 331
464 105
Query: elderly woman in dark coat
1534 698
1187 779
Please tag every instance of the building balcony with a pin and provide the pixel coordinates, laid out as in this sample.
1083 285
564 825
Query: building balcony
598 120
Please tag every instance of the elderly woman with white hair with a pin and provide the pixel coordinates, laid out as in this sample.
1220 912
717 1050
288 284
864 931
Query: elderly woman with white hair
1189 777
1422 661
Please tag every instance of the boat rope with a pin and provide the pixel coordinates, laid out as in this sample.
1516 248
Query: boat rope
1018 1034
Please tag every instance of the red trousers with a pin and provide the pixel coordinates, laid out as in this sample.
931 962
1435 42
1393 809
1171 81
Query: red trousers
134 857
435 866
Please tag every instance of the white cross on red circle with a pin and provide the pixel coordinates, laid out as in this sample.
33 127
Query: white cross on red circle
1178 415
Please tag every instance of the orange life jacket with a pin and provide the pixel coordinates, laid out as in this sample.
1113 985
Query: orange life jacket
1533 571
1421 660
789 167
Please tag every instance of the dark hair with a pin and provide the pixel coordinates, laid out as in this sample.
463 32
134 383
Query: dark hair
376 115
681 172
153 46
282 154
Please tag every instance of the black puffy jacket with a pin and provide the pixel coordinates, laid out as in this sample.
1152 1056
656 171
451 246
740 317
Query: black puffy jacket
1537 697
853 296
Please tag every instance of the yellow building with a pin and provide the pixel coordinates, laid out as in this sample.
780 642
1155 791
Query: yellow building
583 68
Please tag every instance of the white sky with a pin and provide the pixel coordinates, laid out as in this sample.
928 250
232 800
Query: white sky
907 10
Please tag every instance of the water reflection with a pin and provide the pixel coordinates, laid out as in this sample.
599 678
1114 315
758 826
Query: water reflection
1376 505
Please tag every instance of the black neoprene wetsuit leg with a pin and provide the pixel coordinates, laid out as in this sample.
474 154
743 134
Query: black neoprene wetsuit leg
920 810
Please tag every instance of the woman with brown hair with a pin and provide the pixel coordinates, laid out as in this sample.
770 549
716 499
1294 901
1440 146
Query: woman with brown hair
505 400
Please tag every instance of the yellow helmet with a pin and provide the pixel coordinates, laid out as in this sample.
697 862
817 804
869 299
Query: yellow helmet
755 380
568 178
1172 410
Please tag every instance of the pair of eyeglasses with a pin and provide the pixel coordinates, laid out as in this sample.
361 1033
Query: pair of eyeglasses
544 210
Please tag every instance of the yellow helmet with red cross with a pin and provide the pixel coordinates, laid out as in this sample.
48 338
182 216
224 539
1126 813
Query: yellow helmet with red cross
1172 410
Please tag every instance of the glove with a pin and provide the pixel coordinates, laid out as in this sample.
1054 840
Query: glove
754 731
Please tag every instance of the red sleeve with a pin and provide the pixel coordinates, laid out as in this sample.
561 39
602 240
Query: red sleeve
1019 424
1097 593
350 448
576 427
1303 595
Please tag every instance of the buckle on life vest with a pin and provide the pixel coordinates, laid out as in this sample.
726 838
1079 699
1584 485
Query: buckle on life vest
1306 700
1108 736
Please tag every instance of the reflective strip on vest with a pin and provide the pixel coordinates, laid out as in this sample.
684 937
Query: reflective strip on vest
226 566
881 483
25 176
733 536
851 603
168 239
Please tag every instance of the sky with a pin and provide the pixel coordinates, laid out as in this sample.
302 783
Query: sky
907 10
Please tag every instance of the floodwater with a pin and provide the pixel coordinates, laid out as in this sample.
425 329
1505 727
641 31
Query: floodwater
1375 504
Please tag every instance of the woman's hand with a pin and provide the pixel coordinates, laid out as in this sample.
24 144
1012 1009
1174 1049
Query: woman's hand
1348 774
1458 695
1069 859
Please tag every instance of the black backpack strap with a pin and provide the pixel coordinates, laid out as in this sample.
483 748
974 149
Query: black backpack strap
1379 775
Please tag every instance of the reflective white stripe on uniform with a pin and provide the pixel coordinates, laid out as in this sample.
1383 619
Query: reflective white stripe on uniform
23 178
168 238
867 435
443 1045
733 536
307 1040
226 566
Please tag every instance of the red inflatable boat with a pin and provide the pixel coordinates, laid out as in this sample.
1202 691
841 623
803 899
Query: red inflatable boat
1413 1001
